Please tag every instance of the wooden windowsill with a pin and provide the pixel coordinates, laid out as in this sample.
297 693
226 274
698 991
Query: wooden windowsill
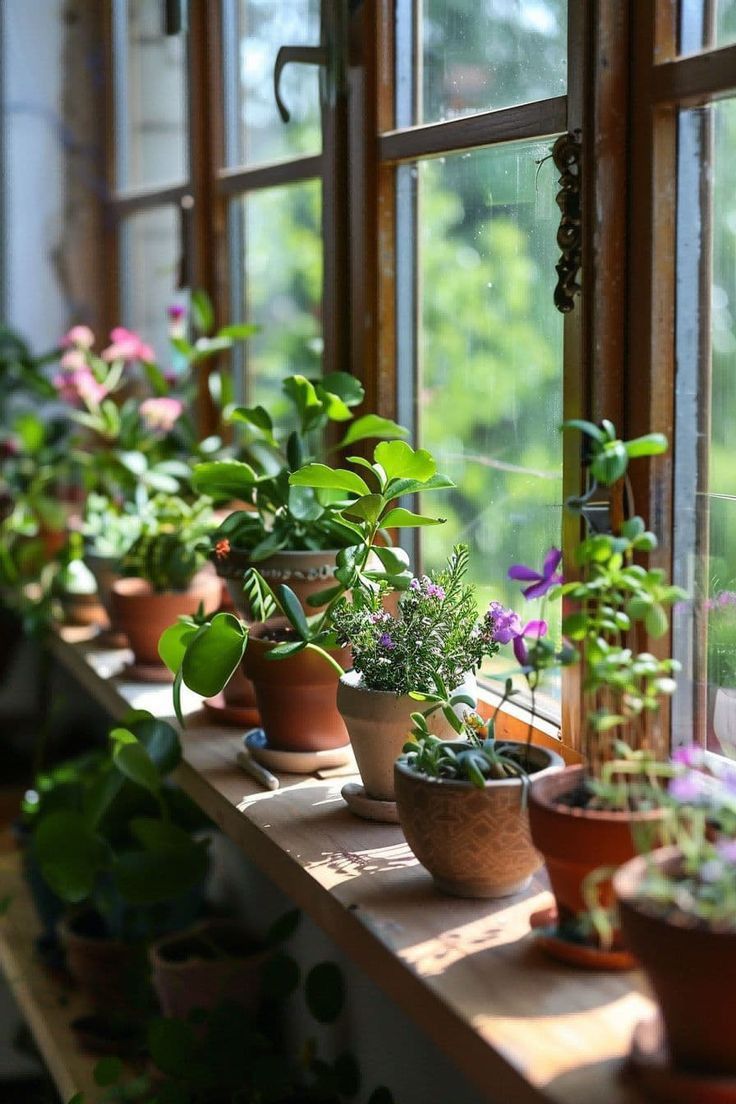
519 1027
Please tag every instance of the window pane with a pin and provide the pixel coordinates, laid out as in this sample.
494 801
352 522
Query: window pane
484 54
150 258
705 551
257 134
706 24
151 97
490 356
282 286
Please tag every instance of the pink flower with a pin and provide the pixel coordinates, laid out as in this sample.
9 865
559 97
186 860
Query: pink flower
161 414
79 385
80 337
127 345
73 360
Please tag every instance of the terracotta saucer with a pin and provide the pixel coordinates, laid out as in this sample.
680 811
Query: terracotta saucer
147 672
650 1069
240 716
361 804
571 951
293 762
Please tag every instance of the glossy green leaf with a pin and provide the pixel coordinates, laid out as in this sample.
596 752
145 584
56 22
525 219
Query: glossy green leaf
238 331
203 313
400 461
369 426
292 608
367 508
335 479
135 763
395 560
652 444
223 478
399 518
69 853
172 643
303 504
588 428
307 402
344 385
655 621
399 487
286 649
161 741
214 654
256 416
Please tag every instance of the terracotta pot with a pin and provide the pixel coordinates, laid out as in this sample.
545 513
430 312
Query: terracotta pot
691 970
109 971
379 723
143 615
209 963
240 693
474 842
576 840
296 696
305 572
83 609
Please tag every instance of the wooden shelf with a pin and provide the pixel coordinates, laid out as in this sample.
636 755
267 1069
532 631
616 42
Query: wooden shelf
518 1026
47 1007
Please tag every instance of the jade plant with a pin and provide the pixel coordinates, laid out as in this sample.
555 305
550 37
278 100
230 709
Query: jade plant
204 656
283 516
116 836
172 546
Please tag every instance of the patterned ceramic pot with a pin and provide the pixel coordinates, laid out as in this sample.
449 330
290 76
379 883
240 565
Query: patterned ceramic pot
379 723
474 842
305 572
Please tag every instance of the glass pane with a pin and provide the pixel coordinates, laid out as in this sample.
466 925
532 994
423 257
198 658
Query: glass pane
706 24
484 54
257 133
150 273
490 357
705 551
150 72
282 286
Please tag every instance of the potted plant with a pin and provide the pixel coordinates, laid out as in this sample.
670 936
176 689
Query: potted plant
677 905
463 807
109 532
291 533
118 847
434 640
296 696
587 817
165 576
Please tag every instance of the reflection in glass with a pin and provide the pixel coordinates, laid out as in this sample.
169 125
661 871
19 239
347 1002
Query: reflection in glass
484 54
257 133
705 502
706 24
151 98
490 358
283 286
150 274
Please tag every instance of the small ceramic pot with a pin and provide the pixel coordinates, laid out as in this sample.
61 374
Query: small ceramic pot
209 963
143 615
474 842
305 572
692 971
83 609
576 840
379 723
296 696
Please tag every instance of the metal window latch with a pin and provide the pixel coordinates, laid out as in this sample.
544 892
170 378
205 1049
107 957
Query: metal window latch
304 55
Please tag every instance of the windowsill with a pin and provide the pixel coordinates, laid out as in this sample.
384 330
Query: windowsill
518 1026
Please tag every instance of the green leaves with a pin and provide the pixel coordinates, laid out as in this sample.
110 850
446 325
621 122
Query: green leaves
203 313
224 479
333 479
293 611
400 461
173 643
609 456
256 416
400 518
371 425
70 854
168 864
213 654
132 760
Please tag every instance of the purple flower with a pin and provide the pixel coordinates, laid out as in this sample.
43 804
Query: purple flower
542 581
176 312
691 756
415 585
688 787
532 630
505 623
434 590
386 642
727 850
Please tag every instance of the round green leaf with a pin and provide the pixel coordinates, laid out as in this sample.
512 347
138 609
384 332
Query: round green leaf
135 763
70 854
214 654
400 461
335 479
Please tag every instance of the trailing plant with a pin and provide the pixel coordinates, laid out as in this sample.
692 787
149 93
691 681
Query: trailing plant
283 516
435 632
112 833
204 657
173 544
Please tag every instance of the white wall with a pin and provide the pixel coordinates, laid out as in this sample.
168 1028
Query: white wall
33 188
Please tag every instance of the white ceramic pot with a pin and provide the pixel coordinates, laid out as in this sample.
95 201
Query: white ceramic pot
379 724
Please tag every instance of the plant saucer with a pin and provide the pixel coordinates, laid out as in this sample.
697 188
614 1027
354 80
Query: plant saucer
293 762
240 716
147 672
566 944
361 804
112 638
650 1068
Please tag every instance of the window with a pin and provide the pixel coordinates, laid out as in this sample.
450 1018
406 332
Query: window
404 225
